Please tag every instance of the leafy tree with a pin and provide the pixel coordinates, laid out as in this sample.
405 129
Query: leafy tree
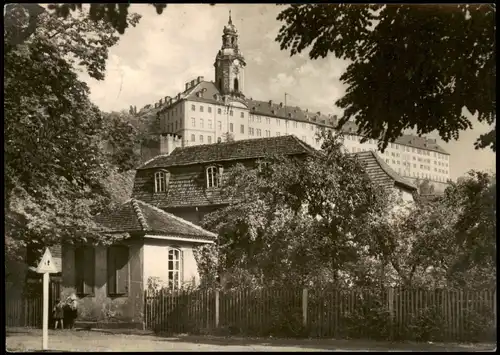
411 66
56 173
449 242
425 187
474 200
228 137
293 221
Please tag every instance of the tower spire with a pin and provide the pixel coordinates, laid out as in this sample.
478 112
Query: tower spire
230 22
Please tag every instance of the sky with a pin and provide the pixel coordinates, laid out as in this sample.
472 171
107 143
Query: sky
163 52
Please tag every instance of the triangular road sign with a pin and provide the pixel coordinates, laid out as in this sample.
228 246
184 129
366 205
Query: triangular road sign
47 263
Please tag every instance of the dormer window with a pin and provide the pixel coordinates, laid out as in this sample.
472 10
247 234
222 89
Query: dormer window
161 181
214 174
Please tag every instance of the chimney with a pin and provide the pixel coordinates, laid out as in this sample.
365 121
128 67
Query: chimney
281 104
187 86
161 102
289 114
307 110
178 96
193 82
319 113
156 104
270 102
200 79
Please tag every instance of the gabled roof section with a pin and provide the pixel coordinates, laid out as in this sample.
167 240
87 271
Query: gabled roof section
138 216
381 173
228 151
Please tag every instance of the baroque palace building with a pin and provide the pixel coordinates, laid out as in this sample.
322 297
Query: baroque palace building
206 112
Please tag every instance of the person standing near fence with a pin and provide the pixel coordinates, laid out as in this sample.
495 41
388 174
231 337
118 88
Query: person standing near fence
58 314
72 310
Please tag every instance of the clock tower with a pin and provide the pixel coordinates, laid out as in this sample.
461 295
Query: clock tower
229 63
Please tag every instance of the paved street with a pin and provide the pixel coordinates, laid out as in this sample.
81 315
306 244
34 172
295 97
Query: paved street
30 340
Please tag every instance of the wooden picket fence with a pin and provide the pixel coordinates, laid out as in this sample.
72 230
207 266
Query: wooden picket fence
27 310
397 314
23 312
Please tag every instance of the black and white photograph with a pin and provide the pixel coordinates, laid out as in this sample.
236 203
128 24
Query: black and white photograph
250 177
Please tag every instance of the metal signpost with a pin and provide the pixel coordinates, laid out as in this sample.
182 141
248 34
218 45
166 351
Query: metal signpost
46 267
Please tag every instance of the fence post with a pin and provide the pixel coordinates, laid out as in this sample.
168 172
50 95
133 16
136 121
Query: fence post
216 308
390 304
304 307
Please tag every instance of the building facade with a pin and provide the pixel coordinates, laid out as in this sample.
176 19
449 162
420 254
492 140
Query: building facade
208 111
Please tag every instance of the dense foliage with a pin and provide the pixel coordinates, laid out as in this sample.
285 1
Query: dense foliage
57 174
293 220
320 221
411 66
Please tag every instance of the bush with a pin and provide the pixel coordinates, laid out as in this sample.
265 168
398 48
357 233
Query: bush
427 325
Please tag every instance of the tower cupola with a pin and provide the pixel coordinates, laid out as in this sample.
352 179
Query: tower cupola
230 63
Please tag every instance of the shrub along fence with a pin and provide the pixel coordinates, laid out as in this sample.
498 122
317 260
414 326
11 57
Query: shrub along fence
395 314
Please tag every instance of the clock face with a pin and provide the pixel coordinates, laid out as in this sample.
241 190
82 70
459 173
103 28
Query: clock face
236 62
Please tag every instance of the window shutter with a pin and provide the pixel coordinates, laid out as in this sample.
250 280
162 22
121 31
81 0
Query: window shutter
121 262
88 270
111 271
79 270
118 270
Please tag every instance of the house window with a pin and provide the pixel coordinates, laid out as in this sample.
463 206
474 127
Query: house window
268 133
230 127
174 268
242 115
259 132
220 125
209 138
84 270
201 108
230 112
192 138
268 120
277 122
213 176
278 134
193 122
209 124
295 124
201 122
118 270
219 111
209 109
201 138
242 129
193 108
161 181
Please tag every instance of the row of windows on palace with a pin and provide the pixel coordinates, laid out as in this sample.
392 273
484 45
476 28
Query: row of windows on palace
251 132
118 269
174 126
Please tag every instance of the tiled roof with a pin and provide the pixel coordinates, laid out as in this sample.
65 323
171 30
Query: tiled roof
229 151
275 109
381 173
138 216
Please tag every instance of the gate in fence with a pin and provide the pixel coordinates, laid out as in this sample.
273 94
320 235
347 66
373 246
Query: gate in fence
27 311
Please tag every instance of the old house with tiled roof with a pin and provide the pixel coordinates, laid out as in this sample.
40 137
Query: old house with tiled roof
383 175
150 245
187 181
